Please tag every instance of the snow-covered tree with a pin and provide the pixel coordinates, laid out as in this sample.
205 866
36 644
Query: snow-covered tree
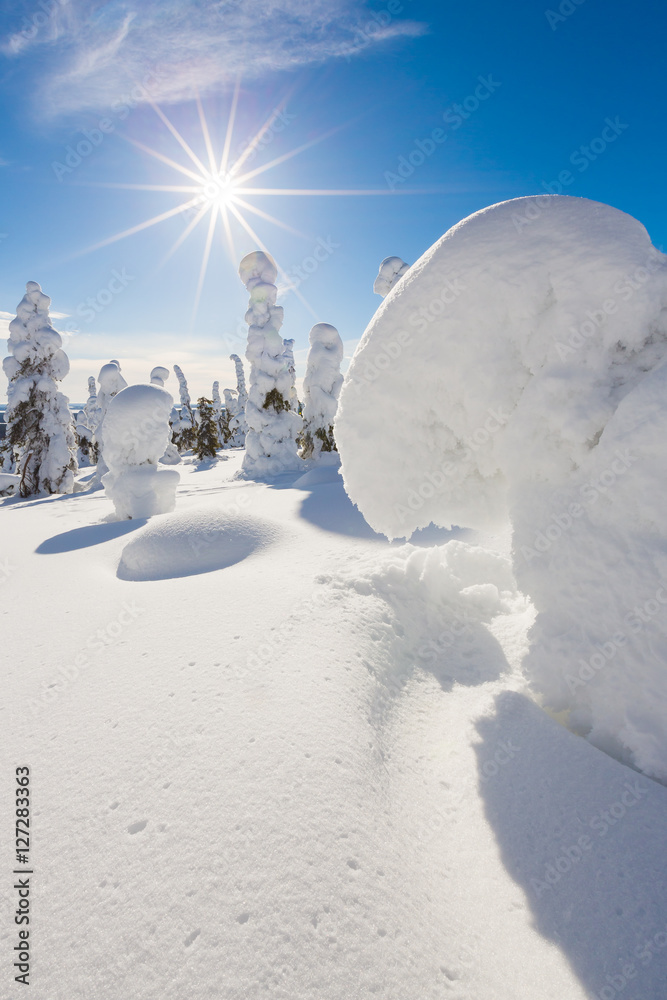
92 407
232 436
185 433
85 455
291 367
237 420
111 382
217 408
40 431
321 389
392 270
159 376
136 433
208 442
272 426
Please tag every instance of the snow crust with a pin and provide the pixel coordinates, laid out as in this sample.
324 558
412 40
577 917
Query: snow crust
193 542
531 339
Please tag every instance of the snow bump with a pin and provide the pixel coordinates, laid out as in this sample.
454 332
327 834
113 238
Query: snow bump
192 542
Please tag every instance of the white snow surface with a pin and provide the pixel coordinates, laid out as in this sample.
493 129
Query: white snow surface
518 368
312 774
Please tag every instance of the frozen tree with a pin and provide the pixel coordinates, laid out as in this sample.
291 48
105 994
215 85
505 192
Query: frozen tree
272 426
291 367
321 389
237 422
207 443
84 438
40 431
159 376
110 382
232 436
185 433
392 270
136 433
217 407
92 409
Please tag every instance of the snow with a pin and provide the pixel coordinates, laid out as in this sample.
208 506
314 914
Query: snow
517 366
200 541
269 791
136 436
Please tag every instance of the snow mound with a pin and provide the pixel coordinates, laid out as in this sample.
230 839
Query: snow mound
9 483
442 599
531 337
192 542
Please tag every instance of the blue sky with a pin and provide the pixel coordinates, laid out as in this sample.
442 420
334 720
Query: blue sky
370 89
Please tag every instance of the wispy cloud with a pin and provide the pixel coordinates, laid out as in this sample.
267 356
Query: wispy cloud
93 52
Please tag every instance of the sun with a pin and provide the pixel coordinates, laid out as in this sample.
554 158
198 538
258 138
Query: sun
218 191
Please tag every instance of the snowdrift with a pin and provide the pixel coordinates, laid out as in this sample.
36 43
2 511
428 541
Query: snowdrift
518 366
192 542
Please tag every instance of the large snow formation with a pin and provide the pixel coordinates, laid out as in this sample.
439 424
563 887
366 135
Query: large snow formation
519 368
136 434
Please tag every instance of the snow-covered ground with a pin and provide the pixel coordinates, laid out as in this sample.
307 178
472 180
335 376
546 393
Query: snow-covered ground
309 769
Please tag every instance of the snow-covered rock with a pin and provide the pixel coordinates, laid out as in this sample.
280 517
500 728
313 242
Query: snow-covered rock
136 435
519 368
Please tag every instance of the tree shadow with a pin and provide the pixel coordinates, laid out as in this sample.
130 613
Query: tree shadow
584 836
90 534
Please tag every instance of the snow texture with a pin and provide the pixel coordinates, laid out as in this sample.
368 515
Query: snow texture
193 542
291 367
136 435
533 336
272 426
392 270
39 422
321 389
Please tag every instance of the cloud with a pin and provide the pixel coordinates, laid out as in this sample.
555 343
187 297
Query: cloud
94 52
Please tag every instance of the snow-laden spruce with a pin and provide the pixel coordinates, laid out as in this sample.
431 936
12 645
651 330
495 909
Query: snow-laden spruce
159 375
391 271
272 426
111 382
40 430
321 389
237 420
86 449
291 367
136 434
185 432
92 408
533 337
207 442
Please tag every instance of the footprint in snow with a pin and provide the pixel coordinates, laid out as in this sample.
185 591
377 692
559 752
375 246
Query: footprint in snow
137 827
